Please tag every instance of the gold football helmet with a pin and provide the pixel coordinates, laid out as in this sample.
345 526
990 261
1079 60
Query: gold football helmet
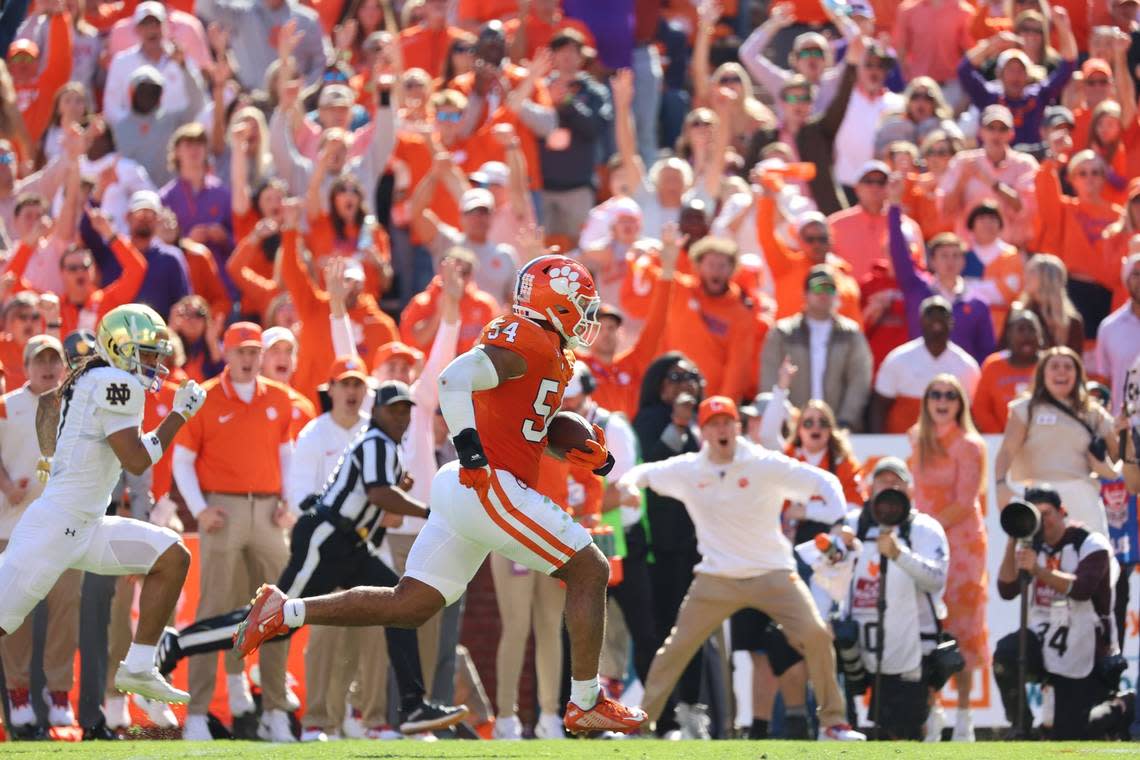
135 339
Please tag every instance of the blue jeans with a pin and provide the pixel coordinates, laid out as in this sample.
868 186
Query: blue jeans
647 76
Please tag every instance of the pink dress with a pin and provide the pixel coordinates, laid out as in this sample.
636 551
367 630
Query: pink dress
956 478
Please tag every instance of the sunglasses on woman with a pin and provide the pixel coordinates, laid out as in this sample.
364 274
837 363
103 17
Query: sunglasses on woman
452 117
810 53
941 152
937 395
681 376
725 81
791 97
811 424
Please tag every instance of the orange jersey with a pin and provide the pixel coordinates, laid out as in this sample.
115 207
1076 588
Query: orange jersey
512 417
1000 383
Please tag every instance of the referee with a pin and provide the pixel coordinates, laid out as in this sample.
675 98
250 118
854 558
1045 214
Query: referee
334 546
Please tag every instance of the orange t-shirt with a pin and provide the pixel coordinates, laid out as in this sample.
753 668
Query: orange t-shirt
539 32
846 471
808 11
903 413
12 360
158 405
238 444
244 223
247 267
1071 229
324 244
315 355
512 417
920 203
36 98
414 152
618 385
999 383
480 11
204 277
427 48
476 309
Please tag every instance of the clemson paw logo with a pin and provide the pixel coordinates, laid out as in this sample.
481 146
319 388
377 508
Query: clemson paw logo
564 281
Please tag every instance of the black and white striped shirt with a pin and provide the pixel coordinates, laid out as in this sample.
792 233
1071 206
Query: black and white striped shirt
374 460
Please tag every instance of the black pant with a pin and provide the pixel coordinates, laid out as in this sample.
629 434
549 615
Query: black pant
634 596
94 643
1074 697
341 561
904 709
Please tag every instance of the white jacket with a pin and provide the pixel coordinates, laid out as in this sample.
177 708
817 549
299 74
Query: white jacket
736 507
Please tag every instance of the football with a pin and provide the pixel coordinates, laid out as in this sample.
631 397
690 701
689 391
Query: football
568 431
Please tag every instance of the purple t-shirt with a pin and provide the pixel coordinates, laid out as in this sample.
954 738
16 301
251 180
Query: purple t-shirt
611 23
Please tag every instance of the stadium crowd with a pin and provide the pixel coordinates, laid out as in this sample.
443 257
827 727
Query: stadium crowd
830 217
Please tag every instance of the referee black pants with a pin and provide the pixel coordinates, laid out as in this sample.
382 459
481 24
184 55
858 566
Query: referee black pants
321 560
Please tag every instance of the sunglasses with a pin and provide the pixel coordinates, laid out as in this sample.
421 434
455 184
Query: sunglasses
730 80
943 152
22 58
1031 30
29 316
701 123
811 424
7 158
789 97
813 239
922 96
879 181
335 76
822 288
83 267
681 376
880 64
463 49
997 127
1096 82
199 313
943 395
1089 173
448 117
810 53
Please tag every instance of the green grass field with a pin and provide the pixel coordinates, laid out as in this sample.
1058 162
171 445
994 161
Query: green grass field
565 750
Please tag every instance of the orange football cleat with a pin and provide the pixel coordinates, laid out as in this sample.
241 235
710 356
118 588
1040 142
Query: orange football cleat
606 715
266 620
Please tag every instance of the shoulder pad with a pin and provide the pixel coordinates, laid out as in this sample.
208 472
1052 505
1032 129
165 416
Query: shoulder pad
512 332
117 391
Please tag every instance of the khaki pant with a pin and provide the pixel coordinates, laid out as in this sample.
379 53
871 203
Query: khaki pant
525 596
712 599
249 536
330 659
60 643
373 669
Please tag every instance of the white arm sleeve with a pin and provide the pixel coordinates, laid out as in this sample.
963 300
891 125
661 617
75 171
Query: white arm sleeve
187 479
343 344
472 371
425 391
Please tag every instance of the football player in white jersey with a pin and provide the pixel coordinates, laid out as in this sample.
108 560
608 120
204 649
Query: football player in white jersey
98 436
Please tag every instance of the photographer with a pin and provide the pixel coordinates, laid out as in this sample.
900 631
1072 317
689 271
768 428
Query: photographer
919 556
1070 606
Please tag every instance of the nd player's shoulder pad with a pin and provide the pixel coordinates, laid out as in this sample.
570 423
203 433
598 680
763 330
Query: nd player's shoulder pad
515 334
117 392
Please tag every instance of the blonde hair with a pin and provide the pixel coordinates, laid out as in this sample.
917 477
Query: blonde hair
838 445
263 161
192 132
1051 299
753 107
942 109
449 97
928 444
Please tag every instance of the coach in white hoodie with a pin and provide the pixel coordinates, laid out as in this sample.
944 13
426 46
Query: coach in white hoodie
734 492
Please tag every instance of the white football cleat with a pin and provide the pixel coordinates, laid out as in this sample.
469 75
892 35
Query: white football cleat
149 684
382 733
314 735
20 708
59 708
840 732
352 726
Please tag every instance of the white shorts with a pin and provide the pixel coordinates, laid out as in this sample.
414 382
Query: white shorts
48 540
514 520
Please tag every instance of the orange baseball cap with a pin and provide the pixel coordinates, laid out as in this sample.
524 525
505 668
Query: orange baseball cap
24 45
394 349
348 366
716 405
240 335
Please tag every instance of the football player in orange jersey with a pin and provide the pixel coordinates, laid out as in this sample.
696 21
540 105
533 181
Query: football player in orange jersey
498 400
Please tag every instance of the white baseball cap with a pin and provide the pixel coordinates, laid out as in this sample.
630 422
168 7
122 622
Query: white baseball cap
276 335
149 9
477 197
